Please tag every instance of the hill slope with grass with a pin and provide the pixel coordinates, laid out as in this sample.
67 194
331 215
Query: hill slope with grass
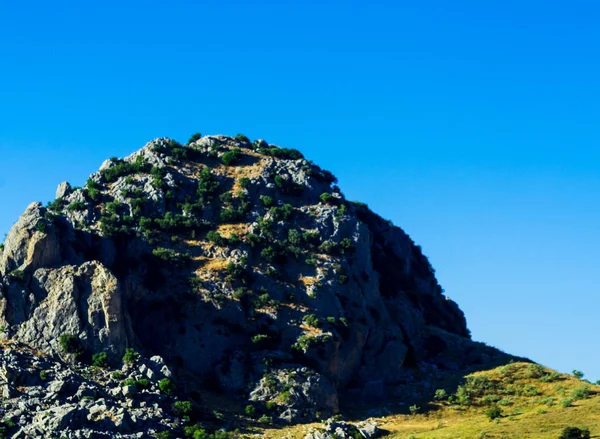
516 400
227 283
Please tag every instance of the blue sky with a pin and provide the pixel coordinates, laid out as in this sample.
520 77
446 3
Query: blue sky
473 125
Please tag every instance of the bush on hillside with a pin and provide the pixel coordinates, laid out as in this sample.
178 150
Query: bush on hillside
70 344
575 433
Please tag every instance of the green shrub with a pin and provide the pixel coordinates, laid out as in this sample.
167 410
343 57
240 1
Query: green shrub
440 395
575 433
493 412
268 254
260 338
231 157
171 256
535 371
215 238
76 206
41 227
244 182
311 320
70 344
182 408
329 247
281 153
250 410
18 275
266 200
242 138
346 244
414 409
529 391
100 360
44 375
279 213
131 356
122 168
566 402
194 137
163 435
578 374
207 185
581 392
325 197
166 387
142 383
264 419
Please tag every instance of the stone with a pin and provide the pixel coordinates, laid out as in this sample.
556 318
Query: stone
129 390
63 190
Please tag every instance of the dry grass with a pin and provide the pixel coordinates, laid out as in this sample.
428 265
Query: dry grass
226 230
210 264
308 280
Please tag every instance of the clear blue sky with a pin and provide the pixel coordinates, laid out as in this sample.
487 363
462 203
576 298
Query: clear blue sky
473 125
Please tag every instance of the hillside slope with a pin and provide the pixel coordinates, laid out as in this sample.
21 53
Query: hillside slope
517 400
243 266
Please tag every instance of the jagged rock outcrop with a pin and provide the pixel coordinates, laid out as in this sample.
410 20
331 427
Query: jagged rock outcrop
30 243
45 398
243 265
83 300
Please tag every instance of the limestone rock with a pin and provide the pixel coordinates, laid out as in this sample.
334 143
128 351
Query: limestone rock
31 243
63 190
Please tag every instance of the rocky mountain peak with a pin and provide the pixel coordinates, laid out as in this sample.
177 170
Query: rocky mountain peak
241 264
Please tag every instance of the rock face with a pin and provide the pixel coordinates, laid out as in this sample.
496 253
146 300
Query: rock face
243 265
84 300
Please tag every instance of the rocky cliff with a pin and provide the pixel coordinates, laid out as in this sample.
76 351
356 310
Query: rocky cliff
243 266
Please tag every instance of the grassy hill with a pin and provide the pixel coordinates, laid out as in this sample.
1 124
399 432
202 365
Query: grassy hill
518 400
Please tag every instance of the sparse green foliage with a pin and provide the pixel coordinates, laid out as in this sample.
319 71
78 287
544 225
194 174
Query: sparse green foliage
440 395
581 392
182 408
18 275
578 374
70 344
268 254
250 410
171 256
575 433
281 153
414 409
76 206
215 238
194 137
244 182
242 138
166 387
264 419
131 356
493 413
566 402
231 157
100 360
266 200
41 227
311 320
207 185
325 197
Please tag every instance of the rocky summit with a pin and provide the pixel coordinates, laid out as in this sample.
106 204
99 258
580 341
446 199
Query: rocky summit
197 290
